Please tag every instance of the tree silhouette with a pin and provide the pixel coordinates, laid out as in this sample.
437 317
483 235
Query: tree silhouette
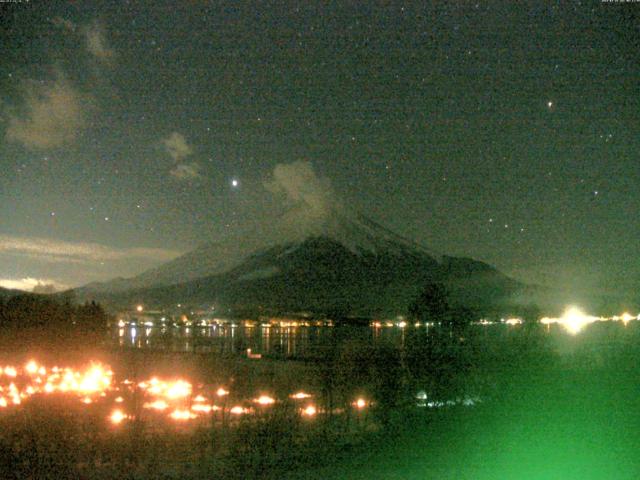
432 305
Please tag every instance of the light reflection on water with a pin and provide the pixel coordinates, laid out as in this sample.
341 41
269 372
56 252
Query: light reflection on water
227 339
291 341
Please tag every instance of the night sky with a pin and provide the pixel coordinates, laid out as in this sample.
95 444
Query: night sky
132 132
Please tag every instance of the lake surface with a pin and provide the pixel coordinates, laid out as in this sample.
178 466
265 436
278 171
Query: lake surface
298 342
226 339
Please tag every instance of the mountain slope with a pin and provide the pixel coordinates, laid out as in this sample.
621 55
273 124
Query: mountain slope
347 265
209 259
323 276
352 230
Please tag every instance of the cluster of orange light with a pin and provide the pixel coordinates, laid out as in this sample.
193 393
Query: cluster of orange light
34 379
97 381
177 396
170 390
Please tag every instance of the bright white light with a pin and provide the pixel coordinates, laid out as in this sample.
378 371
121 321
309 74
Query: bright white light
626 317
235 183
575 319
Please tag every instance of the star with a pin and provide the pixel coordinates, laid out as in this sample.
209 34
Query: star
550 104
235 183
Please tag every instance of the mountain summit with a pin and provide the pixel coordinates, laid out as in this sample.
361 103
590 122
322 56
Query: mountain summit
357 233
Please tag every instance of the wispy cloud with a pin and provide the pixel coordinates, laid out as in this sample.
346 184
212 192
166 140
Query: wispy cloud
186 171
96 42
179 150
308 198
36 285
54 115
177 146
54 112
78 252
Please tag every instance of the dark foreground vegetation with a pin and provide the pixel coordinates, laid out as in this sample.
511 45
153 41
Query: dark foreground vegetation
44 320
46 312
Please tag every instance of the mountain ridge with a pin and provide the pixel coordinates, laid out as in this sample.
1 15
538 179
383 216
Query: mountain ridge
357 232
321 275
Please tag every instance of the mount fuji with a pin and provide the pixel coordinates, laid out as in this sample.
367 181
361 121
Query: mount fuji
346 263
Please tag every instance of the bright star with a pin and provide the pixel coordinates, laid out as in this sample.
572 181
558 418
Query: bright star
235 183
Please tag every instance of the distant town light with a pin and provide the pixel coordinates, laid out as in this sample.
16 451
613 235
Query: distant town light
300 395
575 319
139 308
265 400
626 317
310 411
